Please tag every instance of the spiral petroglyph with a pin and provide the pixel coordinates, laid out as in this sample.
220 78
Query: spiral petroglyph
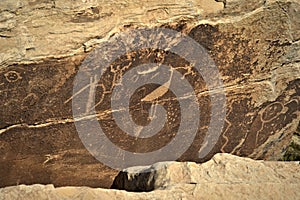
161 90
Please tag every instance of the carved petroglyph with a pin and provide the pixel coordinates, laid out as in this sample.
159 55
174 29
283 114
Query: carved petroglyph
271 111
81 90
269 121
160 91
12 76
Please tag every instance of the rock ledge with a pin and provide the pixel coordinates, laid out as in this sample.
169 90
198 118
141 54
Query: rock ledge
224 176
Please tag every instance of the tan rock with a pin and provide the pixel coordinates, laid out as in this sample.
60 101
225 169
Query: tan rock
223 177
221 169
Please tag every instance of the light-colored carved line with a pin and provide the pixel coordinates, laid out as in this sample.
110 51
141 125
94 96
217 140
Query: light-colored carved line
36 125
101 99
90 100
81 90
262 125
261 128
239 145
50 157
268 106
225 137
51 122
10 127
229 88
160 91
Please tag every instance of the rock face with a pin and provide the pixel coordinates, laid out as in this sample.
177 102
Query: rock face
254 44
224 176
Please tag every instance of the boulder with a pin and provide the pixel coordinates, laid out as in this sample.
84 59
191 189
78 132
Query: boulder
223 177
221 169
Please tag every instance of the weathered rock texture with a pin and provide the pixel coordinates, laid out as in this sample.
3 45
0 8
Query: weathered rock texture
221 169
293 151
223 177
254 43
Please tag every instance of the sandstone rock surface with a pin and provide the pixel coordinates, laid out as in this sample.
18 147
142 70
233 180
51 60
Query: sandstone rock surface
223 177
254 43
221 169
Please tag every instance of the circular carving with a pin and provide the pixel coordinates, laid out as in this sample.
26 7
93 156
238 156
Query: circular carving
12 76
272 111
